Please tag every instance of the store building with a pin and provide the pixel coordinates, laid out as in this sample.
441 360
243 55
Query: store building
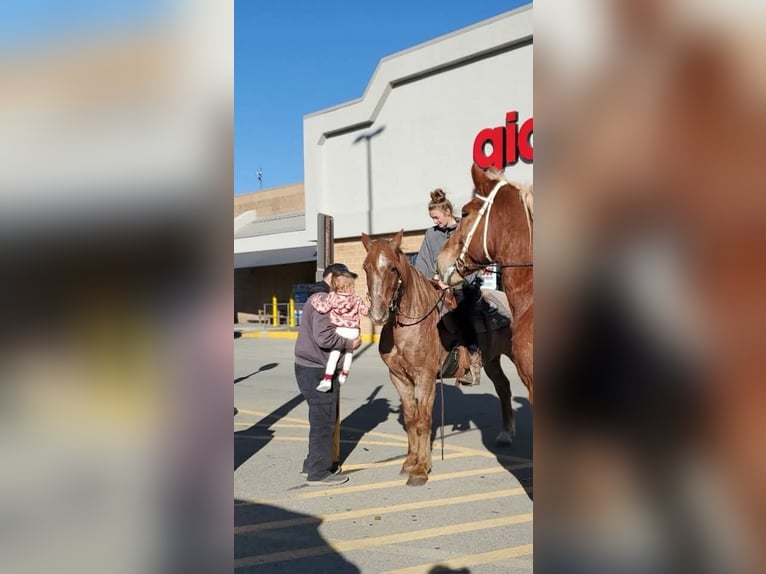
427 113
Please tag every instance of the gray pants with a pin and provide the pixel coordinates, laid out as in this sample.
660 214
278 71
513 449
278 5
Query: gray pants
322 416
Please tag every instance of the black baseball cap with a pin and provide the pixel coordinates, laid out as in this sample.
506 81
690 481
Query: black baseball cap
337 268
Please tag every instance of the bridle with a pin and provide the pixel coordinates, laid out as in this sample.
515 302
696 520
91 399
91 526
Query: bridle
393 305
460 264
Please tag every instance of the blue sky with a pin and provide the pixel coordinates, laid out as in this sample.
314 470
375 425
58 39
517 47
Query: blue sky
295 58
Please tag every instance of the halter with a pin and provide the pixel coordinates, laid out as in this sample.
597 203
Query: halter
460 264
484 210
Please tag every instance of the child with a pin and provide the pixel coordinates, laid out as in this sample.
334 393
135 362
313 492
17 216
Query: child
344 308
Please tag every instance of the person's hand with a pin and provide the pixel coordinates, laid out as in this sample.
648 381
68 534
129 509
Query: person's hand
442 285
357 343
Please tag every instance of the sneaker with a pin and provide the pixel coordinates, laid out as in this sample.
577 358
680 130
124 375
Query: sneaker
343 377
335 470
329 480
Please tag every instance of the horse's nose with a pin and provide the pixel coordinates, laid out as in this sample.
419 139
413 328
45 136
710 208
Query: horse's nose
378 317
447 275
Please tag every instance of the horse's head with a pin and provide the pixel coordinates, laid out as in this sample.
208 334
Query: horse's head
384 267
472 245
463 254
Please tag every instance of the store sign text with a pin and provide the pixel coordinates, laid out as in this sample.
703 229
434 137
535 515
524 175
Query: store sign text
504 145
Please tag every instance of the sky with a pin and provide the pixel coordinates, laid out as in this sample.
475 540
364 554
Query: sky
292 59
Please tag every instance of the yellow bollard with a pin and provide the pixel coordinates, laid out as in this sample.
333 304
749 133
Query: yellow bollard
274 312
291 312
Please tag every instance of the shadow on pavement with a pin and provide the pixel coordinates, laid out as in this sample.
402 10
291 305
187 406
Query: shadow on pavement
266 367
271 539
473 412
361 421
249 441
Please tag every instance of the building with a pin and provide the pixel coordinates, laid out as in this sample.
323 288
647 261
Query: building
426 114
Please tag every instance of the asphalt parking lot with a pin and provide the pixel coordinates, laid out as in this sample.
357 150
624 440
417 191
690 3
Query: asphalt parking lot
473 516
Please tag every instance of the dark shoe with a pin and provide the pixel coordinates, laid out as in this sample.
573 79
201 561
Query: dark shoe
336 469
329 480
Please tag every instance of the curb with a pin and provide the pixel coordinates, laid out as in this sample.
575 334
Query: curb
366 337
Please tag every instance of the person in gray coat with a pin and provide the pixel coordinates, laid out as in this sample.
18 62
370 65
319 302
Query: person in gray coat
316 338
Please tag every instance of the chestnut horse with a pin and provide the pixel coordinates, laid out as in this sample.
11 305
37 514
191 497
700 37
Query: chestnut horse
496 227
414 345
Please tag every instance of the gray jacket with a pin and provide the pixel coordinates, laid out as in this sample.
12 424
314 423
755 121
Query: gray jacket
433 242
316 338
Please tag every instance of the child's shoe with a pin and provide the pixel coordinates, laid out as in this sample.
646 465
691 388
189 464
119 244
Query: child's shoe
325 385
343 377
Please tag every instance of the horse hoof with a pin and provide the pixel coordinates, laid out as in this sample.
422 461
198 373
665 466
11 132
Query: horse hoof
504 438
416 480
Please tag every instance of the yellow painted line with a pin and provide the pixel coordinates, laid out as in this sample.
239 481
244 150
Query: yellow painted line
333 546
478 452
273 425
366 337
439 502
270 334
305 439
265 415
335 490
402 437
460 562
396 462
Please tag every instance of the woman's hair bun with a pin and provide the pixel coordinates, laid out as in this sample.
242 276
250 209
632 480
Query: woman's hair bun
438 196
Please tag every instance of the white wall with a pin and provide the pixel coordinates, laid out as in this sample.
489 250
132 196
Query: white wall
430 102
428 127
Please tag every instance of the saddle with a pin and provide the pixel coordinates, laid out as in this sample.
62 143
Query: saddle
490 313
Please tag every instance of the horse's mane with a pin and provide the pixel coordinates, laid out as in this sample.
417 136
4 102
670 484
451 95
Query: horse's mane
525 195
421 287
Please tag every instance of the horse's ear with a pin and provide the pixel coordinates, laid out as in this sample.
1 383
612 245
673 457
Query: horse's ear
480 179
366 242
397 239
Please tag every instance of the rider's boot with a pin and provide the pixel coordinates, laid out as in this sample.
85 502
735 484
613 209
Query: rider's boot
472 376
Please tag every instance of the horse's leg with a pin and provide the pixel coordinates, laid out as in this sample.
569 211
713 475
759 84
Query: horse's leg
424 398
503 389
521 343
407 397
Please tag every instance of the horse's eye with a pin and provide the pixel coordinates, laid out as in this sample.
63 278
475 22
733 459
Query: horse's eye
464 214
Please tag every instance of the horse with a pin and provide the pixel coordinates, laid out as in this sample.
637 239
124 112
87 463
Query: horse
413 345
501 213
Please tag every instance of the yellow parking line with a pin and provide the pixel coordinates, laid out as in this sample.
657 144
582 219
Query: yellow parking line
304 439
273 425
265 414
439 502
453 564
396 462
333 546
335 490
